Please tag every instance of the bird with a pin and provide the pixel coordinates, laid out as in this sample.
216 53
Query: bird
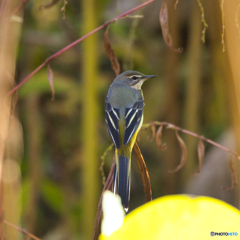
124 117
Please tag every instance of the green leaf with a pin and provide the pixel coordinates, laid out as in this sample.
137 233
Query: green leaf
52 195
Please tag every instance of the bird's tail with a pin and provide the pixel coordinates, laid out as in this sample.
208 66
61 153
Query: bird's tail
122 179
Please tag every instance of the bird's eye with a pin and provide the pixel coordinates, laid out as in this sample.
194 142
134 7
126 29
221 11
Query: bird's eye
134 78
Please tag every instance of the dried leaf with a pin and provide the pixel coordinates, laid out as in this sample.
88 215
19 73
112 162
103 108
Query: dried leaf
144 173
176 3
153 129
163 18
233 175
201 152
159 139
184 154
111 55
48 5
50 79
107 186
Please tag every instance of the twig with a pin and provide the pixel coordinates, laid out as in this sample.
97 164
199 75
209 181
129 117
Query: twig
102 162
78 41
107 186
21 230
172 126
144 173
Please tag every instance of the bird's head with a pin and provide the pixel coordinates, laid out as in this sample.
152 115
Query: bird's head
133 79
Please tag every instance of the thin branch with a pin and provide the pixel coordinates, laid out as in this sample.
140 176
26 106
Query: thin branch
144 173
21 230
107 186
174 127
102 162
78 41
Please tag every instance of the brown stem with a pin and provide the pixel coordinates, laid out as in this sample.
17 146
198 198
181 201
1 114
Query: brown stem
78 41
107 186
174 127
21 230
144 173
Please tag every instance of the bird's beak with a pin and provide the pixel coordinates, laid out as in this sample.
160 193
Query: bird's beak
150 76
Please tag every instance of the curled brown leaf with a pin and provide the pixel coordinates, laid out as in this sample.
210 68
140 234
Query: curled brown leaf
51 82
163 19
233 176
153 129
159 139
176 3
184 153
111 54
201 152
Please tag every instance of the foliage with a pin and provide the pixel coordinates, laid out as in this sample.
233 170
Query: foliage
195 90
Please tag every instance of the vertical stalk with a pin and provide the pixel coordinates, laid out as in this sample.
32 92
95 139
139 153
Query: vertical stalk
191 109
9 183
173 116
33 152
230 9
90 118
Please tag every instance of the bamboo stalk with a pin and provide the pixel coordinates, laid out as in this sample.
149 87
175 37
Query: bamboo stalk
90 119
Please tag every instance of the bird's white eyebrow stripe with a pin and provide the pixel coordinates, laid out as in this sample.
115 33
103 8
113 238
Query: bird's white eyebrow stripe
138 76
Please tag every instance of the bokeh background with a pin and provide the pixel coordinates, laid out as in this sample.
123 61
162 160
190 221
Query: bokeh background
51 150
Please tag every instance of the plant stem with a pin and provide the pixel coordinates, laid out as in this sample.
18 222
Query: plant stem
78 41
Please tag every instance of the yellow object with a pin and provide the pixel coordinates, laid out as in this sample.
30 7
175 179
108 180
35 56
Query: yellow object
180 217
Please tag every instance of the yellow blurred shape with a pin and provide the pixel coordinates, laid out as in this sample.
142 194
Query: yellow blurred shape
179 217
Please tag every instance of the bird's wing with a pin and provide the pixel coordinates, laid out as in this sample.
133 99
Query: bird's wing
112 116
133 117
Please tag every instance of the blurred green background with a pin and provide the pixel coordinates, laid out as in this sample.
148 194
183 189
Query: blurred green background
64 139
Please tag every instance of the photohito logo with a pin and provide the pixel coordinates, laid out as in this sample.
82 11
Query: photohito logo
223 234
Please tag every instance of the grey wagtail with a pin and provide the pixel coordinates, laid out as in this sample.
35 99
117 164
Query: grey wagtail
124 116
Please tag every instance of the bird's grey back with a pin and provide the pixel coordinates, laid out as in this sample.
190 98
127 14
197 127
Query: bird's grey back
121 95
